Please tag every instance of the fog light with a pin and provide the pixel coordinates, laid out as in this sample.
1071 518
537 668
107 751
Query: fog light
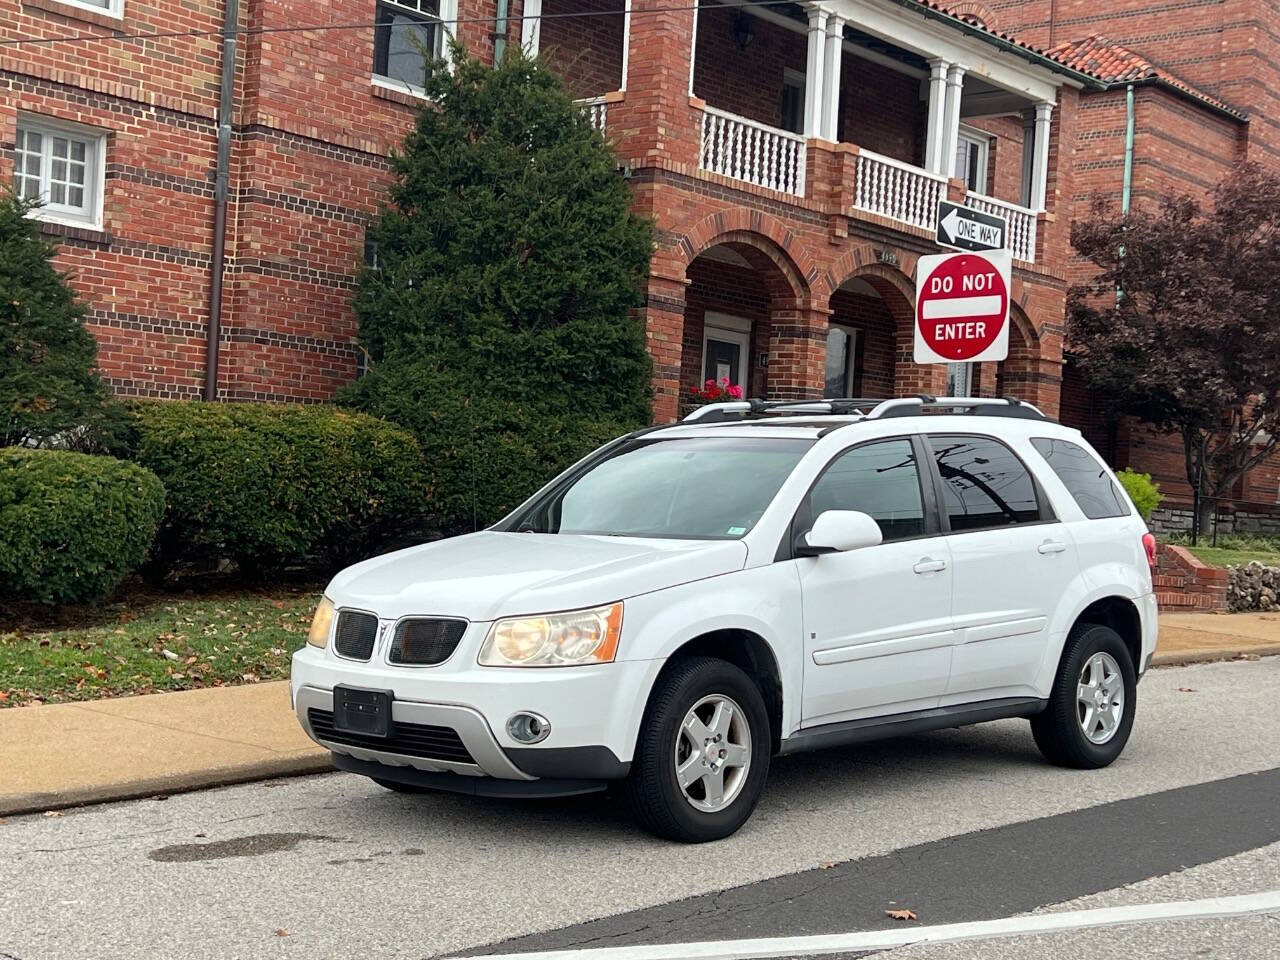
528 727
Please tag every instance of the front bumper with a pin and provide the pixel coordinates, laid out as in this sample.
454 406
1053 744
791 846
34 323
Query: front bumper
594 714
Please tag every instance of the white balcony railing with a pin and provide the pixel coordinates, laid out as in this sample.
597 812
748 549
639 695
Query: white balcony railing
1022 223
596 109
898 190
736 147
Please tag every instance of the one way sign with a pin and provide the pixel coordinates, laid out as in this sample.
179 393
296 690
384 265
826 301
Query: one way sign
967 229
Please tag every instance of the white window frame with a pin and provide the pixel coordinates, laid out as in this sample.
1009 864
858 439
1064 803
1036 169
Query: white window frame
95 139
730 329
114 8
981 141
448 20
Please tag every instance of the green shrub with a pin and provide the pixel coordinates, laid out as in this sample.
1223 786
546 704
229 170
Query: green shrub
483 454
269 485
72 525
1142 490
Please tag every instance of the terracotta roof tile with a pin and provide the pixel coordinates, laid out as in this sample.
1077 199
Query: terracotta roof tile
1115 64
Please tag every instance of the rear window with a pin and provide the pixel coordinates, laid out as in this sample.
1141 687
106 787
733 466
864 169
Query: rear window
1086 479
984 484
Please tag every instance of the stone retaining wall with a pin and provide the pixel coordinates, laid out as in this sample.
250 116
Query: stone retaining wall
1253 586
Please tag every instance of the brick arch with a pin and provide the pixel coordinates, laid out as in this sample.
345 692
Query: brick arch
1020 325
973 10
894 284
763 239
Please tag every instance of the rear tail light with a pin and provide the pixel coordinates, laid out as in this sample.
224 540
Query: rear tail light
1149 545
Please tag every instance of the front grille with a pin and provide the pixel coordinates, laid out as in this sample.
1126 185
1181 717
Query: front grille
355 634
409 739
424 642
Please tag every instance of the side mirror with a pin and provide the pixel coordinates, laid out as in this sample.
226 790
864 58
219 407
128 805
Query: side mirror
838 530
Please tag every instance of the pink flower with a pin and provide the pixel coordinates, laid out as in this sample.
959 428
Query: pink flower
735 392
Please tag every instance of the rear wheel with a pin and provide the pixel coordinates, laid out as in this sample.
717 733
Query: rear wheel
703 753
1091 707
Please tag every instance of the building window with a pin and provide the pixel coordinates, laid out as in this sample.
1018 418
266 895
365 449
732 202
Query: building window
409 34
793 84
61 167
972 148
112 8
842 343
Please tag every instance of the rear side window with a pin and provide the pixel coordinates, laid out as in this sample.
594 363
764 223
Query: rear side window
1086 479
880 479
984 484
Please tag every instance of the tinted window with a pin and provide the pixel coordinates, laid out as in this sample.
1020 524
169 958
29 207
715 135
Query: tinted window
1086 479
880 479
711 488
983 483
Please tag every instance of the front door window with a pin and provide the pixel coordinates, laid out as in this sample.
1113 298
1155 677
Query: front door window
723 361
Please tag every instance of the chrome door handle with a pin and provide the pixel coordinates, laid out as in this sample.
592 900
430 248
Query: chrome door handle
926 565
1052 546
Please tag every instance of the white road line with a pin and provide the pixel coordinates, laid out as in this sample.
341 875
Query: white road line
960 307
888 939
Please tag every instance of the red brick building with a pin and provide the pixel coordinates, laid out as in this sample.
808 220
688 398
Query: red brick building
792 156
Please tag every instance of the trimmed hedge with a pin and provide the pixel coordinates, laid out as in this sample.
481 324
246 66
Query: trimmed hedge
484 453
72 525
268 485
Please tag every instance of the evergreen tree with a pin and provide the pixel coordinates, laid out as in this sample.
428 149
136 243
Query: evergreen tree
49 384
499 310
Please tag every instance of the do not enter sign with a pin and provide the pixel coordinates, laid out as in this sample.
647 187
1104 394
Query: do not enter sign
962 307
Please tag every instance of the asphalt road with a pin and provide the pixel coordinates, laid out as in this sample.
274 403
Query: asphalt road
958 826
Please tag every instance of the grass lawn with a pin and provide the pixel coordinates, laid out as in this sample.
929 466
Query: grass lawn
1230 557
148 643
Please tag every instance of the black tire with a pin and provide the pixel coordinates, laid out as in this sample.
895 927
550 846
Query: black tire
1058 731
401 787
654 794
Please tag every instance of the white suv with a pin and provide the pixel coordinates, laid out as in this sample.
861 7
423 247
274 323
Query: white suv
761 578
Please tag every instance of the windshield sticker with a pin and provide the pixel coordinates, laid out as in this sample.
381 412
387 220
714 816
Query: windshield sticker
736 531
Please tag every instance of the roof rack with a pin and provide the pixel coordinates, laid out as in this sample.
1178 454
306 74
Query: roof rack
866 408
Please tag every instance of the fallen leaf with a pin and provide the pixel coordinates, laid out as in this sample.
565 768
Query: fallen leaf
826 864
1186 690
3 696
53 813
281 932
3 820
901 914
1247 656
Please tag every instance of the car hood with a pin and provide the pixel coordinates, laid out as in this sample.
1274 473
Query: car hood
482 576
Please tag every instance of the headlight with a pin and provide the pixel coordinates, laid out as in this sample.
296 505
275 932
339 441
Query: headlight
555 639
318 635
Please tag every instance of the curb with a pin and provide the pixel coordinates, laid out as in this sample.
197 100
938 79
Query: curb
1181 658
22 803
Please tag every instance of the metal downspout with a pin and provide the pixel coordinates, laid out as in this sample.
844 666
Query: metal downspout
222 176
1128 149
500 33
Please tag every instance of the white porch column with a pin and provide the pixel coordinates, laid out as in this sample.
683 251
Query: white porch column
529 26
951 135
814 73
626 43
937 115
693 44
832 58
1040 159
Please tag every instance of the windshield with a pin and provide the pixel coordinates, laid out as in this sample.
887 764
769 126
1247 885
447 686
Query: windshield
712 488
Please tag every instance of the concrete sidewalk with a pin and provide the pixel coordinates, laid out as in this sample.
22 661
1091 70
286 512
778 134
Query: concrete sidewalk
66 754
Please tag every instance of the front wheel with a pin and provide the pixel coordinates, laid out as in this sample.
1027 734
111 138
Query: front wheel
703 752
1091 708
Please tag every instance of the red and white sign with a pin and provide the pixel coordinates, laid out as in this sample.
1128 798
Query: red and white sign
962 307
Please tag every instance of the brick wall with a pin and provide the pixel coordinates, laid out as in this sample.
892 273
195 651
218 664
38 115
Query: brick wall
586 52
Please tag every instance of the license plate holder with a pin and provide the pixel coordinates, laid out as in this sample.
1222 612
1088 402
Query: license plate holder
363 711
